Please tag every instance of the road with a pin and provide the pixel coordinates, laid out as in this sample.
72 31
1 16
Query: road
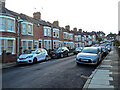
56 73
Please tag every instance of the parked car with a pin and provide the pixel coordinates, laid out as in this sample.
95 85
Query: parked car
101 52
60 52
109 43
108 48
103 45
77 50
89 55
33 56
96 45
105 50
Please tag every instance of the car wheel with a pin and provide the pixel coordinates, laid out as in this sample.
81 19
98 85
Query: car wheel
61 55
35 60
97 62
77 63
46 58
68 54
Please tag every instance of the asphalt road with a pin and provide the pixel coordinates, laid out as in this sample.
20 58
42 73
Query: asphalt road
56 73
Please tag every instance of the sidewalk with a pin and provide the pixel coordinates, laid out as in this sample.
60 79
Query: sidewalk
106 74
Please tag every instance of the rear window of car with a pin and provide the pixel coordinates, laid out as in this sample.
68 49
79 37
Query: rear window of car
90 50
29 52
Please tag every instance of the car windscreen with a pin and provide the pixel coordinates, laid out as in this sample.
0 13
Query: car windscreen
29 52
60 49
89 50
78 48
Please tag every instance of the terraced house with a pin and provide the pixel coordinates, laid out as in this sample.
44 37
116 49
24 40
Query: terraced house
19 32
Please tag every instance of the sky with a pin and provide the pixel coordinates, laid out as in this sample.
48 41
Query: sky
88 15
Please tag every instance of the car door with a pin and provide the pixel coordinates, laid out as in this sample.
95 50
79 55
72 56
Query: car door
99 54
38 56
44 54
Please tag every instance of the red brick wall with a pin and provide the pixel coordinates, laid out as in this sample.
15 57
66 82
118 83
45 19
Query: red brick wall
8 58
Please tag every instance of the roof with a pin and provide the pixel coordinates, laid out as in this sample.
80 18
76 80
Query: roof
5 11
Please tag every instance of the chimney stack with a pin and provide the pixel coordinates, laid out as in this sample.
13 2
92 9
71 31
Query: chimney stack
67 27
56 23
75 29
2 4
37 15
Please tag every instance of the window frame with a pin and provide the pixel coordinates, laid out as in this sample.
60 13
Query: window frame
6 18
6 45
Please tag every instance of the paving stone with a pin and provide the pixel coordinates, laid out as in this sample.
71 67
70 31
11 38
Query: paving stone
105 66
100 82
100 86
102 78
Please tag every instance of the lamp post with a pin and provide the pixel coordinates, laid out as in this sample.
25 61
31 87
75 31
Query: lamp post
18 35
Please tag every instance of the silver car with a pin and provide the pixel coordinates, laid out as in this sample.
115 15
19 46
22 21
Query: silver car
89 55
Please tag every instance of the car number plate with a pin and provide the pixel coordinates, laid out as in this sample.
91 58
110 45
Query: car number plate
84 60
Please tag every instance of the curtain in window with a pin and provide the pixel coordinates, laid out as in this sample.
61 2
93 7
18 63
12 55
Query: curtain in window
29 29
45 44
24 28
2 46
2 23
10 27
10 46
45 32
29 45
24 46
49 32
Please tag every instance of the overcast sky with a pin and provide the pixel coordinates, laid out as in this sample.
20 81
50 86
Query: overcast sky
89 15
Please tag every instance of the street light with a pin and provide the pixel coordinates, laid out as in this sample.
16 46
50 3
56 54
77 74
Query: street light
18 34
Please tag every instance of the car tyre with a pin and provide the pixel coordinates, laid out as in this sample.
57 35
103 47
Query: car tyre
46 58
35 60
77 63
68 54
61 55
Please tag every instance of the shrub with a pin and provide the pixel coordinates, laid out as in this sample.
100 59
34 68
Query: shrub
117 42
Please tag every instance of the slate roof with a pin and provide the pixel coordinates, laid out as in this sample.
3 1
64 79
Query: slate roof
5 11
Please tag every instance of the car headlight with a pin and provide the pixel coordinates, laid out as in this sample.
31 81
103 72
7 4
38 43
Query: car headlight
29 56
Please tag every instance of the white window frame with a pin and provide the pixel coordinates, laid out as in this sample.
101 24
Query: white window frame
27 42
47 31
47 44
11 18
28 23
5 38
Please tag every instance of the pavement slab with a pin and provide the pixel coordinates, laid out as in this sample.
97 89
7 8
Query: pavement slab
100 86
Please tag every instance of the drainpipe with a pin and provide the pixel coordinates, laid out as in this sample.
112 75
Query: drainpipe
18 34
